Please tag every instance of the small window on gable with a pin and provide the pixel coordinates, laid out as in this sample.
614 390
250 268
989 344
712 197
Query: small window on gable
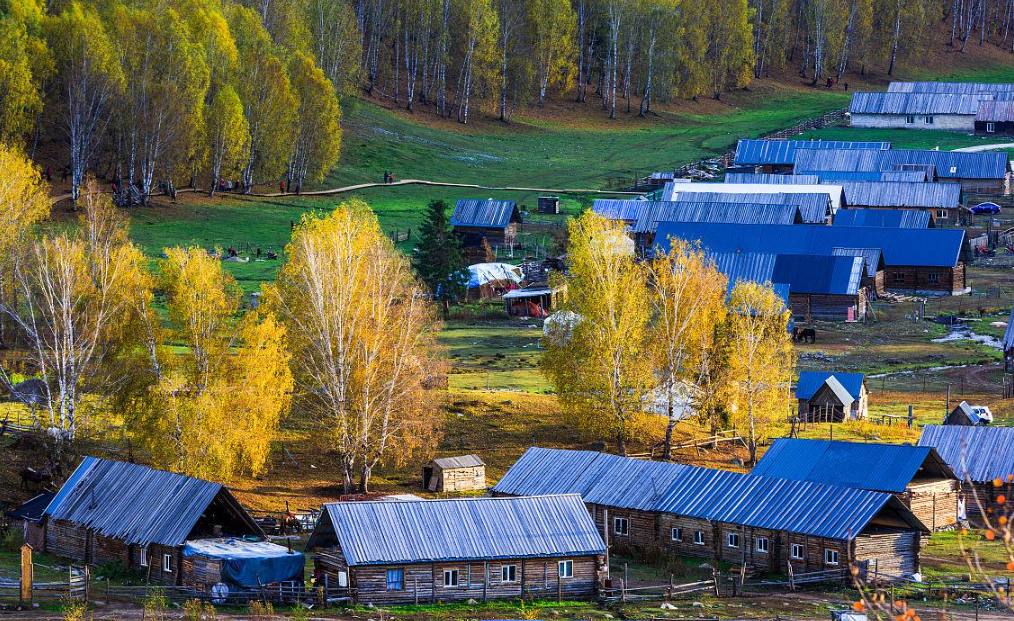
676 534
796 551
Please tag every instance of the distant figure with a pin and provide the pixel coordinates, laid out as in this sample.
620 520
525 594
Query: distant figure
387 177
281 186
64 173
846 86
258 253
292 225
391 177
830 83
49 173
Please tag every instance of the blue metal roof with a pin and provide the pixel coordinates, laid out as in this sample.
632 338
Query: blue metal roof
819 274
900 194
32 510
486 213
877 467
871 175
761 152
626 210
749 267
814 207
900 247
946 164
762 502
871 257
949 87
978 454
810 381
424 531
137 504
703 211
1008 333
916 103
771 178
885 218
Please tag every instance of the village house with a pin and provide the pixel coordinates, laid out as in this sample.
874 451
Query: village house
941 200
625 211
943 111
885 218
481 549
496 221
653 212
831 397
819 212
174 529
763 522
916 475
981 457
950 87
777 156
454 474
995 118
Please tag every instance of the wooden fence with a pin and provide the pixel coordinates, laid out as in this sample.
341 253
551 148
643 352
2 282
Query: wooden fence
74 589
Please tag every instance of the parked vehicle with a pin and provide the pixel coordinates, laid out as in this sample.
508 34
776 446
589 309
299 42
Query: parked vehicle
985 208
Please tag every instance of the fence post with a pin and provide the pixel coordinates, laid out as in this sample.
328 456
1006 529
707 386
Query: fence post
87 583
27 576
911 415
623 590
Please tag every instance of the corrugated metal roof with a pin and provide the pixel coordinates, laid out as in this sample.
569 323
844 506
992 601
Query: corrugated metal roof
768 178
462 461
839 391
901 194
706 211
136 504
946 164
486 213
749 267
626 210
381 533
886 218
900 247
762 502
864 175
819 274
750 152
978 454
872 259
813 207
1008 333
756 193
996 111
32 510
872 466
916 103
949 87
911 176
810 381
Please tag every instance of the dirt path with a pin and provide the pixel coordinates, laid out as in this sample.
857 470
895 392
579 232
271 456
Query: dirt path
986 147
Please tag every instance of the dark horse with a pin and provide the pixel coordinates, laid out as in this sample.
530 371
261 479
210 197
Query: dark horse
806 335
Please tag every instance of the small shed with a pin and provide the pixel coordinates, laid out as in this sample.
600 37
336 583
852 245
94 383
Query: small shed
969 415
496 221
832 397
455 474
549 204
27 519
536 300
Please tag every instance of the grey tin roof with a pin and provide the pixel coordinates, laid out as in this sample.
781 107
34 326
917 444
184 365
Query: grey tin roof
611 209
462 461
888 218
814 207
486 213
751 152
996 111
771 178
872 466
946 164
978 454
949 87
872 259
424 531
916 103
706 211
755 193
137 504
901 194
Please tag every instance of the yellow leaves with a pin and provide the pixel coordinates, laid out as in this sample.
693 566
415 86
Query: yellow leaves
23 195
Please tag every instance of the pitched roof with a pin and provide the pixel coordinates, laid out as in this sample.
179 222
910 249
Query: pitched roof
810 381
901 194
486 213
839 392
872 466
771 178
900 247
137 504
978 454
463 461
916 103
704 211
777 152
872 258
762 502
946 164
996 111
32 510
749 267
915 176
814 208
949 87
612 209
819 274
885 218
757 192
380 533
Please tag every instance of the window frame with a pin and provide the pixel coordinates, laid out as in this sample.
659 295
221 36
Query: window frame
676 533
144 556
451 573
699 538
509 573
565 569
909 119
990 128
621 526
898 277
388 582
928 119
829 554
762 549
933 278
732 540
167 563
792 551
943 214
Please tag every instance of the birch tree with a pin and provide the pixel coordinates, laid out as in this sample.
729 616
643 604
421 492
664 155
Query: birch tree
553 27
317 130
227 135
337 42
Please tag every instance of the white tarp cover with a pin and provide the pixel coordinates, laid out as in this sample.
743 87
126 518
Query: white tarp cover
482 273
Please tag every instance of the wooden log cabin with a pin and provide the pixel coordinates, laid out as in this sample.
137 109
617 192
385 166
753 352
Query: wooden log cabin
917 476
764 522
477 219
825 396
143 519
459 549
981 457
454 474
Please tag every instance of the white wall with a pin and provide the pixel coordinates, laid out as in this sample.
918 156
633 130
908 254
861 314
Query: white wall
953 122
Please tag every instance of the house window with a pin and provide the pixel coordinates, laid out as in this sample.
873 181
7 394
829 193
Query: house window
929 120
395 579
509 573
762 544
566 569
699 537
991 127
943 214
167 563
796 551
676 534
144 557
909 119
450 577
933 278
830 557
732 540
898 277
621 526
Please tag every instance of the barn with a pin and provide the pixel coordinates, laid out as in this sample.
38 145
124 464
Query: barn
777 156
941 200
154 522
943 111
653 212
885 218
497 221
454 474
459 549
982 457
916 475
834 397
763 522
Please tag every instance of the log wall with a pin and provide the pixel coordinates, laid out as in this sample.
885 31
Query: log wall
909 278
935 503
458 479
889 551
642 527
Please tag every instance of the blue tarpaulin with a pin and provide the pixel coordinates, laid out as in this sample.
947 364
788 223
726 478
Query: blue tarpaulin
249 563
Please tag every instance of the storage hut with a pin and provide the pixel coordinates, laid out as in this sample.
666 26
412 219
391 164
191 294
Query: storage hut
930 261
777 156
549 204
945 111
969 415
885 218
982 457
116 512
27 519
916 475
459 549
538 299
831 397
454 474
763 522
941 200
497 221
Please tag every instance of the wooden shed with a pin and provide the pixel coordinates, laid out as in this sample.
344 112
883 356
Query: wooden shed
981 457
27 519
459 549
455 474
477 219
825 396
